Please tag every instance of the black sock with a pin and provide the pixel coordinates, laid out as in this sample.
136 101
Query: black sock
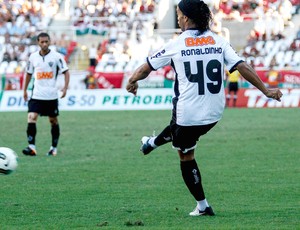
192 178
31 133
55 135
164 137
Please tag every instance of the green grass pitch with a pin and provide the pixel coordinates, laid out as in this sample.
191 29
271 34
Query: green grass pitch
99 179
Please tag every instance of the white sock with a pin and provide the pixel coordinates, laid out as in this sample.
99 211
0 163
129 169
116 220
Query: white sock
151 142
31 146
202 204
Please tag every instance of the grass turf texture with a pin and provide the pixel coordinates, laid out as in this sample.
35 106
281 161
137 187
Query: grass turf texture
249 164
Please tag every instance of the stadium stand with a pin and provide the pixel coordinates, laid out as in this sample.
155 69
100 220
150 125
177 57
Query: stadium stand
20 21
270 18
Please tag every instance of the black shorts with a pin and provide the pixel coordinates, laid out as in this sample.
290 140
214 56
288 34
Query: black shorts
93 62
185 138
44 107
233 87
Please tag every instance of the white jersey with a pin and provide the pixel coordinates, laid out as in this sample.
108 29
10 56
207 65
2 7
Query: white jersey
198 62
45 70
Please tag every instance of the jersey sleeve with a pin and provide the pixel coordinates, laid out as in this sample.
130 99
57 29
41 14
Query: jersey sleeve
61 63
232 59
163 57
30 67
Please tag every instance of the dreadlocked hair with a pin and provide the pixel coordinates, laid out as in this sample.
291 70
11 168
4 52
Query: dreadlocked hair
205 17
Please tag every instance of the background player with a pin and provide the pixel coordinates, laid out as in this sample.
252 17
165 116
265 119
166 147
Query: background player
233 87
45 65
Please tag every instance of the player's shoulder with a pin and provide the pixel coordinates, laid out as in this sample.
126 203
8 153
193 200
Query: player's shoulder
216 37
55 53
35 54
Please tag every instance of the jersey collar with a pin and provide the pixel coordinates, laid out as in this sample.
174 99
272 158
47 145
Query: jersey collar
45 54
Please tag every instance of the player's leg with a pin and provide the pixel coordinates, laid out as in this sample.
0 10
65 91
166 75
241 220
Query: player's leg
185 140
32 116
52 112
55 133
228 95
228 99
235 94
192 178
31 134
150 143
234 99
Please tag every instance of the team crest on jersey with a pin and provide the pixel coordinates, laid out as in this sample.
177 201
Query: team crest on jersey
2 156
50 63
158 54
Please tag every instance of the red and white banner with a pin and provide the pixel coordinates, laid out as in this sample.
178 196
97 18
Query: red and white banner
109 80
286 76
253 98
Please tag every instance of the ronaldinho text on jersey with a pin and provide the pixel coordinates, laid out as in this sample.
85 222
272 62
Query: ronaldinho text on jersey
209 50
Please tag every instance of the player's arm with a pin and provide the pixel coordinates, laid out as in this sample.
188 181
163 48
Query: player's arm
26 83
140 73
63 67
226 77
67 80
250 75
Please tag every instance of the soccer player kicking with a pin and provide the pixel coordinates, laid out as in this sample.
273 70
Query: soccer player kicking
198 57
45 65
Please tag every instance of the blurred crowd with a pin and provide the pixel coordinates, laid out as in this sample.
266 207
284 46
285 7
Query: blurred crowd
127 27
130 27
268 44
20 22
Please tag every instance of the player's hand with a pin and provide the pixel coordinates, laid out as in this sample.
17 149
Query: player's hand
275 94
63 93
132 87
25 96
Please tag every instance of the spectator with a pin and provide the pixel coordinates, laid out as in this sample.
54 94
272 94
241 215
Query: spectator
233 86
273 76
6 57
93 56
90 81
9 85
285 9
